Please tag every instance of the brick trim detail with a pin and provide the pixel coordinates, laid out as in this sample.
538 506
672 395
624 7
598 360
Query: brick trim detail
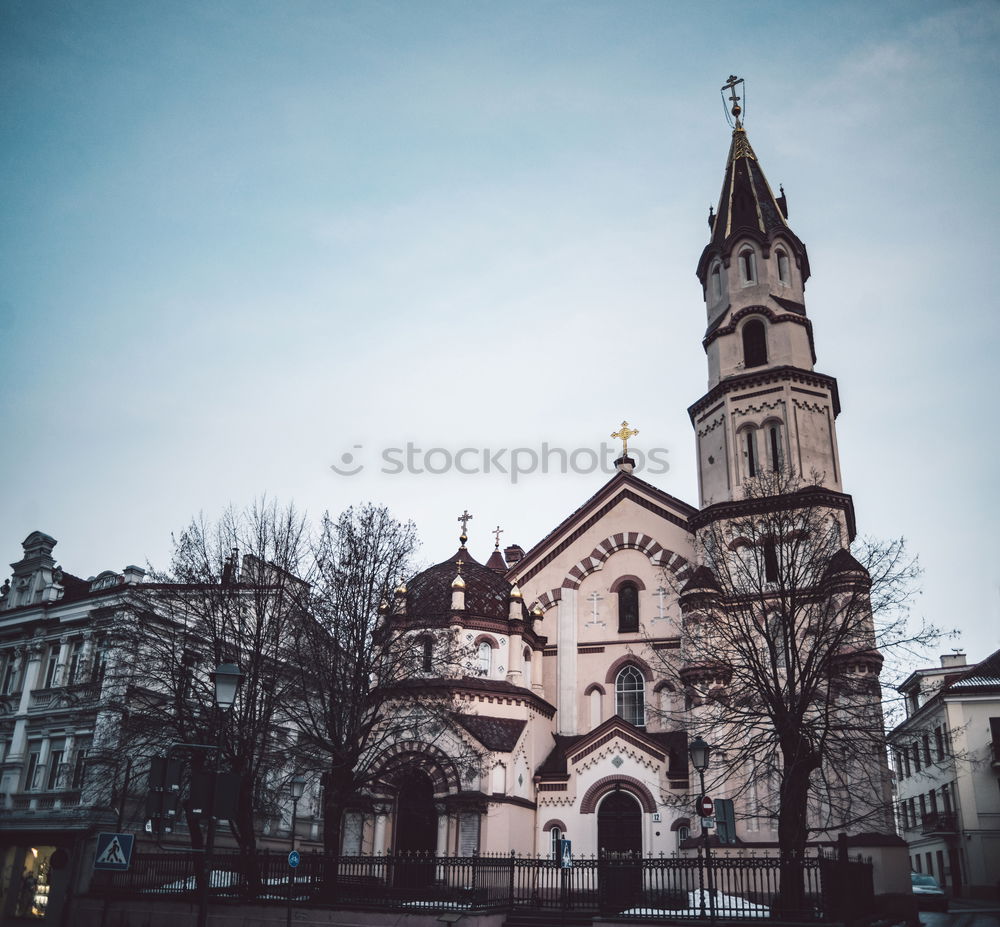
628 659
601 788
555 822
658 555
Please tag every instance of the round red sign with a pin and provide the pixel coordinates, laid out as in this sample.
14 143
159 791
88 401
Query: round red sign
706 807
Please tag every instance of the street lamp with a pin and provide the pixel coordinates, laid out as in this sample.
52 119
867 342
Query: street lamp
297 786
227 678
699 751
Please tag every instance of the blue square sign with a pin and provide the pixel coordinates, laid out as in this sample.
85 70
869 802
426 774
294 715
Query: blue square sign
114 852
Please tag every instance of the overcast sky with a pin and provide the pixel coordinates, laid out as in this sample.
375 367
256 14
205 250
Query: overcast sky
243 240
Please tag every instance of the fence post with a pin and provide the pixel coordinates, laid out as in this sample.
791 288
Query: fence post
510 884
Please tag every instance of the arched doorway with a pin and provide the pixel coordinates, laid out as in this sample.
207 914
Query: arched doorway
619 824
619 842
415 831
416 816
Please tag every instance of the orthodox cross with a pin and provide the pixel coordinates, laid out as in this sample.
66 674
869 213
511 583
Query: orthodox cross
731 85
497 531
460 562
661 592
594 599
623 434
464 518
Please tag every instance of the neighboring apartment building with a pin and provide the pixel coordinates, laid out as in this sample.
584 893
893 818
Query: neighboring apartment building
54 648
947 761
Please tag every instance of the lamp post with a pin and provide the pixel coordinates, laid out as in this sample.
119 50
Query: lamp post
699 751
226 678
297 786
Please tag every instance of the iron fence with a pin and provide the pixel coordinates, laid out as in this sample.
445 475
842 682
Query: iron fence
627 886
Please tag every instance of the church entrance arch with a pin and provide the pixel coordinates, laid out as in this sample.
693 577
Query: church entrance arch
415 829
619 843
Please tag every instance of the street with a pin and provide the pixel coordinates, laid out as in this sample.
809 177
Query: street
962 915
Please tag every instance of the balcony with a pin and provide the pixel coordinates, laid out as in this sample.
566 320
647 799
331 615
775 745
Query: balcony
939 822
77 696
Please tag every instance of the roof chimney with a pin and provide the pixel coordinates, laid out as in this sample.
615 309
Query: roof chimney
949 660
513 554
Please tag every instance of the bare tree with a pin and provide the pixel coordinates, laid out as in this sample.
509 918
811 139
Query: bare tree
233 593
785 632
356 669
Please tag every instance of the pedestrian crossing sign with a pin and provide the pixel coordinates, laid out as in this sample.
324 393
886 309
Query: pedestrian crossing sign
114 852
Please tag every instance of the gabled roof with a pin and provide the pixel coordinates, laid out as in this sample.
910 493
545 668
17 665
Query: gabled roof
984 675
621 487
500 734
669 746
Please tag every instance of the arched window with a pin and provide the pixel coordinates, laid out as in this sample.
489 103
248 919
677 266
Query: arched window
556 837
749 440
526 673
682 834
628 608
748 266
595 707
715 285
754 344
484 658
630 696
783 272
427 655
773 436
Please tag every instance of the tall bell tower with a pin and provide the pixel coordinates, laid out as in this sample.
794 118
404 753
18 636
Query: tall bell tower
767 409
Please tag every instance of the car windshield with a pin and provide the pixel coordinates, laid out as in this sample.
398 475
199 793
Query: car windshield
918 879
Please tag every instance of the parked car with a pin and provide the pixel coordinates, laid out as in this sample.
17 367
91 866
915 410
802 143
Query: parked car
928 894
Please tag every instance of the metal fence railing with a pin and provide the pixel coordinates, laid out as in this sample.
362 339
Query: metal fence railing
645 888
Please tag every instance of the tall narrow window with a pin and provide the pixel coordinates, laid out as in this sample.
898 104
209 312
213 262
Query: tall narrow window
526 673
754 344
31 771
939 743
770 561
716 282
783 274
630 696
100 663
56 755
75 655
750 439
9 680
748 266
51 666
628 608
427 655
80 766
556 842
774 446
484 658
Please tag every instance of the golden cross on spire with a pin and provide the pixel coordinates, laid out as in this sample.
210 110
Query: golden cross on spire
731 86
623 434
460 563
497 531
464 518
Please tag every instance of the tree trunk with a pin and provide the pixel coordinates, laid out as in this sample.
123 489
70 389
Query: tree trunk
793 831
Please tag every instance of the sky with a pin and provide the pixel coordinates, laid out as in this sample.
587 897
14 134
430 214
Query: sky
244 243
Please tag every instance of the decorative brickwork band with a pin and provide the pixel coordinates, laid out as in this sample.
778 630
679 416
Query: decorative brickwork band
658 555
608 784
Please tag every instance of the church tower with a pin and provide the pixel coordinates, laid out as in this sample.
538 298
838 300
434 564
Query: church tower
767 409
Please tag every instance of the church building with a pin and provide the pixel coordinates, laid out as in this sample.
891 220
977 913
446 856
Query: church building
564 691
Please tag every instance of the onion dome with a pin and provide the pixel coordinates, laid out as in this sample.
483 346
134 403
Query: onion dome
487 593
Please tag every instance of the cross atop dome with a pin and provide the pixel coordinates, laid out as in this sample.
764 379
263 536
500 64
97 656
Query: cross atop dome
464 518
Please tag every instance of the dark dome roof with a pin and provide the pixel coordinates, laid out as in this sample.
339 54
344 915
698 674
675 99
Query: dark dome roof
487 593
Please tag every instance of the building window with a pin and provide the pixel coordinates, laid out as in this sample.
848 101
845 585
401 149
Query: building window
750 450
630 696
8 682
99 665
682 834
915 747
56 755
484 657
75 656
939 743
79 767
754 344
715 287
906 761
927 749
770 561
774 446
783 274
51 666
628 608
748 266
427 654
556 836
31 771
353 830
526 673
468 834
